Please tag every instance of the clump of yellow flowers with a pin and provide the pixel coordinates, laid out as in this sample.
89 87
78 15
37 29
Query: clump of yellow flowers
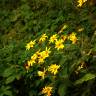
58 41
47 90
42 55
39 57
53 68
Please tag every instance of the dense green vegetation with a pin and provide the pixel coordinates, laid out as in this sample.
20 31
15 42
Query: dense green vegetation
24 20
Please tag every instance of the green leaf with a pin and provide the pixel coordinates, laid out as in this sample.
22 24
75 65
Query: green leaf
8 93
4 90
8 72
62 90
18 76
10 79
87 77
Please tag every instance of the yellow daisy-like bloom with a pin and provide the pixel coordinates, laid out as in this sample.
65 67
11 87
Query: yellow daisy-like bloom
30 63
53 68
47 90
53 38
43 55
81 2
41 74
34 57
43 38
59 44
73 38
46 52
30 45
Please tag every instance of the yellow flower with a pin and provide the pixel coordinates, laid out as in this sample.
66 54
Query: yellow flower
53 68
30 45
34 57
59 44
41 74
38 52
47 90
73 38
81 2
33 60
30 63
53 38
63 37
43 55
46 52
40 60
43 38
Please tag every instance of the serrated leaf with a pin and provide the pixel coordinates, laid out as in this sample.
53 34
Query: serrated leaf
87 77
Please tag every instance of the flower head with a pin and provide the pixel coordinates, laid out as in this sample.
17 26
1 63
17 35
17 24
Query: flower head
81 2
46 52
41 74
59 44
53 38
43 55
43 38
30 45
53 68
47 90
30 63
63 37
73 38
34 57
